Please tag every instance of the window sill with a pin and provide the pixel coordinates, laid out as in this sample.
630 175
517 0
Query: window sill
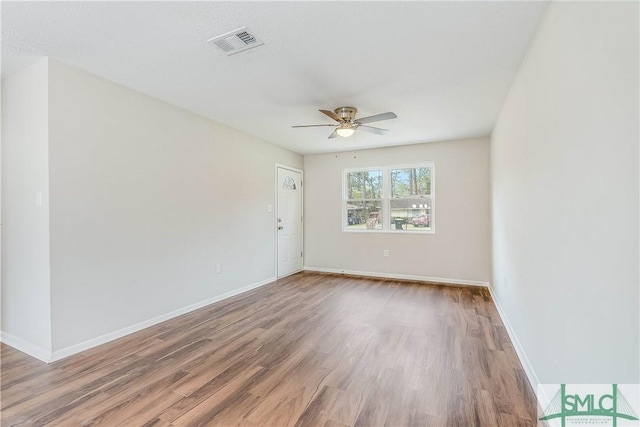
389 231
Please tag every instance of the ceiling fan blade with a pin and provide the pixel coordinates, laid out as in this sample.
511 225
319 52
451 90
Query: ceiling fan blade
334 134
310 126
376 118
372 129
333 115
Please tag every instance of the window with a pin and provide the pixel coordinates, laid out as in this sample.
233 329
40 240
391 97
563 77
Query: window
364 199
393 199
411 198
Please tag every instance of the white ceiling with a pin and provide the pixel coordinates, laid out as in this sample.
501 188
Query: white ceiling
443 67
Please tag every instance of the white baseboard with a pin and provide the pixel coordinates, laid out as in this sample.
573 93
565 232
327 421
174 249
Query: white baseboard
25 346
524 360
49 357
442 280
94 342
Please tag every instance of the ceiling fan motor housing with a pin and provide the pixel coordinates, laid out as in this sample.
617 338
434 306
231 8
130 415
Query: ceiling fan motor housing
347 114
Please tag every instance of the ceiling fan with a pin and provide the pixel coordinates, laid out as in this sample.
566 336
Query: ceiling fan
348 124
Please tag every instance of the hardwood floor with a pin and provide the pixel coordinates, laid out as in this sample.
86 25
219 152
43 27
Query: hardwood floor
308 350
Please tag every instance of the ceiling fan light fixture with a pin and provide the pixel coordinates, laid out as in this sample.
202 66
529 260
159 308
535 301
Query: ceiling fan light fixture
348 124
345 130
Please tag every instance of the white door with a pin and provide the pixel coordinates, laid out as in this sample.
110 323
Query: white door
289 221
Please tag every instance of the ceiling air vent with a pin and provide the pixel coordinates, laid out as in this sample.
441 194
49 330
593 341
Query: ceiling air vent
236 41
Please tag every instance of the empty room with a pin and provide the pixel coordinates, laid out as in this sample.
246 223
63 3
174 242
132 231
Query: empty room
320 213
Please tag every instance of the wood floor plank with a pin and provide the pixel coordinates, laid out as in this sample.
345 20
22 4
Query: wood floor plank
205 412
347 406
308 350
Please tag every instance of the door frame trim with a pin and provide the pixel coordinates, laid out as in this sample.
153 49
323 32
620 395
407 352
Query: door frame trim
275 217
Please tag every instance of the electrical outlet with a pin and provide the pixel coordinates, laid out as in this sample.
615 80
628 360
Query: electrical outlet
385 252
218 268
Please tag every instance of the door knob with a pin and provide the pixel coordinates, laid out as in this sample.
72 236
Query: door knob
280 227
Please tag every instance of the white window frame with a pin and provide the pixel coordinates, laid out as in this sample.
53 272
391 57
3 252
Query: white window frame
386 198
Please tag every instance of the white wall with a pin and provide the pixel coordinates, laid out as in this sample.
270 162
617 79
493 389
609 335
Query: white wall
564 156
26 314
459 250
145 199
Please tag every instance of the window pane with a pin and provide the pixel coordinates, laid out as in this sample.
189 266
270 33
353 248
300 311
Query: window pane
289 183
410 182
364 215
411 213
364 185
